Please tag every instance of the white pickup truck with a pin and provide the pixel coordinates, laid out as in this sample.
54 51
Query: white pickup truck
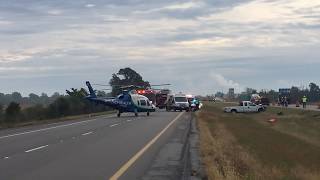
244 107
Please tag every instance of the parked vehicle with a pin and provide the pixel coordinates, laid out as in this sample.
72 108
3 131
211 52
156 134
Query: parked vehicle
177 102
265 101
161 98
244 107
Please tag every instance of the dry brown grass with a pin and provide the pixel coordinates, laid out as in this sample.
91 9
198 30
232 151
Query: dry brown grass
236 148
222 156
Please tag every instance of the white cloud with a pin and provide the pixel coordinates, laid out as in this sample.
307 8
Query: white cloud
112 18
221 82
174 7
184 6
4 22
55 12
274 12
90 5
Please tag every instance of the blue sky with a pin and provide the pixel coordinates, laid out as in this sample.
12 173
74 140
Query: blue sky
200 46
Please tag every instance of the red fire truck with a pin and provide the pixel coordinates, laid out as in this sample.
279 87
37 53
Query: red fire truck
158 97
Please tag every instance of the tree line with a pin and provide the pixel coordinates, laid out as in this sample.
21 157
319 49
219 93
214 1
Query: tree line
32 99
312 92
73 103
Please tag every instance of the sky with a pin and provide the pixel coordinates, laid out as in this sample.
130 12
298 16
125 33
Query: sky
199 46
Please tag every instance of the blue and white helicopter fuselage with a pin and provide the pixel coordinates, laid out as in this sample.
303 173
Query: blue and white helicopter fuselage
128 101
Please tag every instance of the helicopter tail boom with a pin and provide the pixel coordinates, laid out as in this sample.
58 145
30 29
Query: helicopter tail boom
92 93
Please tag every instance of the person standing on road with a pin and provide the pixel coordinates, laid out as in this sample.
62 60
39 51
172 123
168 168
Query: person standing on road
304 101
286 101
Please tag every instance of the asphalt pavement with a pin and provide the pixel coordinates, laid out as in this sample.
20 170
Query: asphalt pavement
96 148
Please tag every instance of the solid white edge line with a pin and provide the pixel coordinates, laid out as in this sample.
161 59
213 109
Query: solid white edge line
45 129
34 149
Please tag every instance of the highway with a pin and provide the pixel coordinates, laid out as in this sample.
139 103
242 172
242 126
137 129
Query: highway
97 148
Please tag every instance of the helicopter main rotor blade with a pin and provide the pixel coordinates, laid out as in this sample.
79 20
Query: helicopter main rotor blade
160 85
101 85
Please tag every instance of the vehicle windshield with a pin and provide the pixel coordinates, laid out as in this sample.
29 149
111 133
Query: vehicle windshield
180 99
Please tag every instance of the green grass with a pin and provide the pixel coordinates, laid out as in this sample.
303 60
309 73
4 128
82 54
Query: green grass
291 145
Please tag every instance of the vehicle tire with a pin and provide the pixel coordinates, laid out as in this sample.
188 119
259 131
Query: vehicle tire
148 114
187 110
118 114
260 110
233 111
180 110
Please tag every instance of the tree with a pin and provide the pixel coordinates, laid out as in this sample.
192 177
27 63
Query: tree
13 112
77 93
60 107
1 113
272 95
295 94
314 92
101 94
3 98
1 109
250 91
36 112
33 98
125 77
219 94
55 95
44 99
16 97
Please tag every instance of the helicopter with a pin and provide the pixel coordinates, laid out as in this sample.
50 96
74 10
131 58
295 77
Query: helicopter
127 101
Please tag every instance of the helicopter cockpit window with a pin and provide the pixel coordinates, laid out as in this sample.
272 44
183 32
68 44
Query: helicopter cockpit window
121 97
143 102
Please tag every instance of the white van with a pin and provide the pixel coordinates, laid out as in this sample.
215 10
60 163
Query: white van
177 102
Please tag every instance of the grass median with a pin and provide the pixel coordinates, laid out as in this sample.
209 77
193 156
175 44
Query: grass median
248 146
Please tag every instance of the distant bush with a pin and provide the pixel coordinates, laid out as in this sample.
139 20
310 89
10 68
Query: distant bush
37 112
13 113
1 113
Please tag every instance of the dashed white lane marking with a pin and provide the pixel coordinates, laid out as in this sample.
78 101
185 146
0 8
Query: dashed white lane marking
129 120
87 133
114 125
73 137
6 157
34 149
45 129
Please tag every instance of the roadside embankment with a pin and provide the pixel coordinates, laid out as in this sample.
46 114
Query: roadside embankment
249 146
